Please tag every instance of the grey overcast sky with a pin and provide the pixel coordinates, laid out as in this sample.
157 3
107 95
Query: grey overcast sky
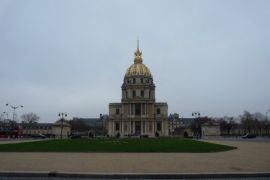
71 56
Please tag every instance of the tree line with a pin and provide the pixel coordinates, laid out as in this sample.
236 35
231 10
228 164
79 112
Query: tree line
255 123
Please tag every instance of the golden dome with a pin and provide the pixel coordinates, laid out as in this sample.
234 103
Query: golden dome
138 68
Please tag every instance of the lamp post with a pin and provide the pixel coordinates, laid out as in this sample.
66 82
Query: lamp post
14 107
62 115
266 114
102 119
196 115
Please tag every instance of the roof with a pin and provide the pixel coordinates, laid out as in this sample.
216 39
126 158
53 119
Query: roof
138 69
89 121
210 123
184 121
60 123
36 125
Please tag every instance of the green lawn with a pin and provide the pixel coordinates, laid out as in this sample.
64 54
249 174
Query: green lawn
114 145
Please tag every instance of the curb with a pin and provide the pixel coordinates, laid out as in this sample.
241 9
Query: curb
136 175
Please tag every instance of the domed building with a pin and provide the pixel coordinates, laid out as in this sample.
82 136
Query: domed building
138 114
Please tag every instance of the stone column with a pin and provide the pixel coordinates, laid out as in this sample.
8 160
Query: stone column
145 109
122 127
141 127
130 132
133 128
112 128
147 127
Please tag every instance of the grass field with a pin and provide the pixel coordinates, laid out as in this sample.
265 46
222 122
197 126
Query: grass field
115 145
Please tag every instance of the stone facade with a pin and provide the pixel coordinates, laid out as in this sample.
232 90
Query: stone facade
47 129
56 129
211 129
174 122
138 114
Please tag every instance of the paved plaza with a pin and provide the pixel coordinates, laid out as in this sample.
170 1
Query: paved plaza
251 156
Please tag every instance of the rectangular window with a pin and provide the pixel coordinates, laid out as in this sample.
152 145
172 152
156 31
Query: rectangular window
117 126
131 109
159 126
141 80
158 110
117 111
137 109
134 80
134 93
142 93
143 109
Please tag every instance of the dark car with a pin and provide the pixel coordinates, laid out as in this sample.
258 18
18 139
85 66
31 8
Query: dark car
38 136
249 136
75 136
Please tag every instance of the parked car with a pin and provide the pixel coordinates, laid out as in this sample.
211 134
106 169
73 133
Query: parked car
75 136
38 136
249 136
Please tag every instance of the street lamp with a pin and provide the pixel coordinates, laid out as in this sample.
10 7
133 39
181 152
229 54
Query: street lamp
196 115
266 114
62 115
14 109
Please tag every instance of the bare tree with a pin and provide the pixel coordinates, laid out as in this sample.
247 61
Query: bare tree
30 118
246 121
266 127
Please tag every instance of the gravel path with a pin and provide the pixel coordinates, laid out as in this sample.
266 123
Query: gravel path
249 157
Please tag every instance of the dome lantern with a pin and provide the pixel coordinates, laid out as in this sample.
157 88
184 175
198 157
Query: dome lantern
138 55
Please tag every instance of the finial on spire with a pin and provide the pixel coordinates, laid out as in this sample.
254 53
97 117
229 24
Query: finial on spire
138 54
138 44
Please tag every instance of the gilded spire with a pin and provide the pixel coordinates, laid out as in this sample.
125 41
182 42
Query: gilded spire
138 55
